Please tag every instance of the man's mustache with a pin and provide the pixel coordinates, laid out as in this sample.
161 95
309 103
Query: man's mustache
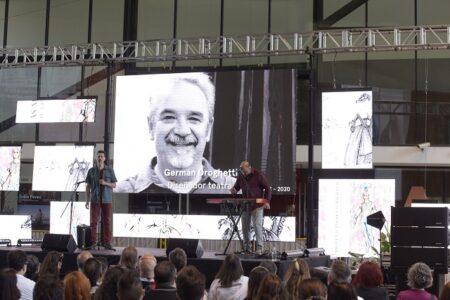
177 140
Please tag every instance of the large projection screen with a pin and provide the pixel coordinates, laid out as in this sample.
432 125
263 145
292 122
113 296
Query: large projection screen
10 168
59 168
344 205
15 227
188 132
347 130
193 227
60 217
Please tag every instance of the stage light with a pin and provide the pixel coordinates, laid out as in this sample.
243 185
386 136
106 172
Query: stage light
21 242
6 242
292 254
314 252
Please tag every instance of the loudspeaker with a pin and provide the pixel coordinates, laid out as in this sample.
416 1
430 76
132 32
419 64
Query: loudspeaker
59 242
84 236
192 247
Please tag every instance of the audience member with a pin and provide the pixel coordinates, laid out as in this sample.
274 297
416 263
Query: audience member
341 290
48 288
129 258
92 270
8 285
165 275
179 258
104 265
190 284
108 289
32 267
147 264
76 286
340 272
445 294
312 289
419 278
269 265
368 282
230 282
51 264
257 274
82 258
272 288
297 271
17 260
129 286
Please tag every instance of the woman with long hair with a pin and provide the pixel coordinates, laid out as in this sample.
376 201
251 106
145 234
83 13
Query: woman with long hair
312 289
8 285
108 289
254 281
272 288
230 282
77 286
51 265
297 271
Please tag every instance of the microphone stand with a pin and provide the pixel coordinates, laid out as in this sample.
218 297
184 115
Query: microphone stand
75 192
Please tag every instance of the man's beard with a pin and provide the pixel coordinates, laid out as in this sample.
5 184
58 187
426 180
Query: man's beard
182 157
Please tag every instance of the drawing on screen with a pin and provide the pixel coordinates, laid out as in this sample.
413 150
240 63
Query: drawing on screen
9 168
271 232
365 208
359 144
78 170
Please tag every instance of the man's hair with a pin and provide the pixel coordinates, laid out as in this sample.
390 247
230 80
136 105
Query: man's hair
420 276
16 259
82 258
129 286
230 270
129 257
339 272
101 151
92 270
48 288
190 284
201 80
179 258
147 265
165 272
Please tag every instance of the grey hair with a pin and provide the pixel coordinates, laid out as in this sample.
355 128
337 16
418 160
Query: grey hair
201 80
420 276
339 272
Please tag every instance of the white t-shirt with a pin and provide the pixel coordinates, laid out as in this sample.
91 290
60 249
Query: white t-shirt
25 287
237 290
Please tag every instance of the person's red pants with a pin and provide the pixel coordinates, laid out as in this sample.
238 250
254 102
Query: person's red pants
106 214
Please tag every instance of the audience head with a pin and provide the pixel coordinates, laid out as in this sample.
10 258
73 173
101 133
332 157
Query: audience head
76 286
8 284
82 258
445 294
130 286
298 271
271 287
108 289
419 276
230 270
190 284
17 260
312 289
341 290
32 267
339 272
269 265
48 288
129 258
51 264
369 275
103 266
147 264
179 258
92 269
165 273
257 274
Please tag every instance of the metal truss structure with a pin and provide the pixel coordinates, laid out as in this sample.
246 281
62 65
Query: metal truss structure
223 47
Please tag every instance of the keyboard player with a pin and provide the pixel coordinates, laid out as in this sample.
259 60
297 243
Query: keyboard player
254 184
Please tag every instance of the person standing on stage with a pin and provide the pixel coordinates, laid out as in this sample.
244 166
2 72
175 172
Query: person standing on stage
253 184
100 182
